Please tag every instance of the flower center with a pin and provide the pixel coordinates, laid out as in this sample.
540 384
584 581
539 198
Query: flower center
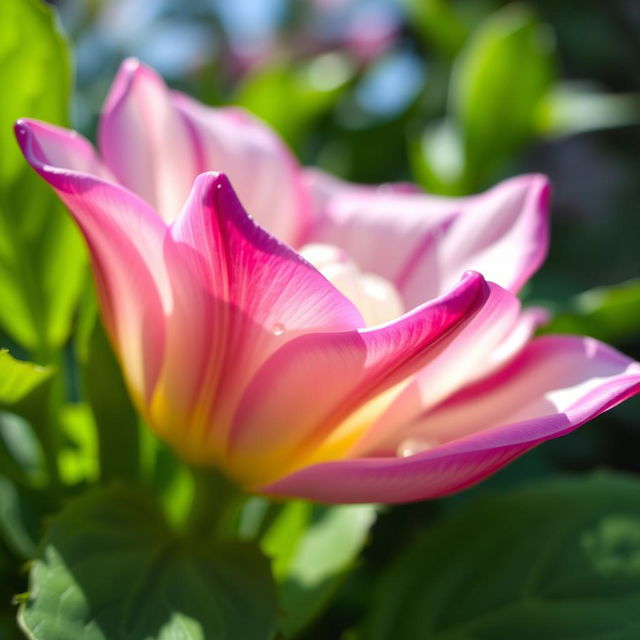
375 297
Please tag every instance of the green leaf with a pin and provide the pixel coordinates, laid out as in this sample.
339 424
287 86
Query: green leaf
439 23
559 560
20 455
437 159
18 379
41 254
313 548
309 91
578 107
110 568
78 455
498 81
607 313
21 513
25 388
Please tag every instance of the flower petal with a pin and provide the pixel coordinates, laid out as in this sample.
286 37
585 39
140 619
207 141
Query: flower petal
263 171
315 395
495 335
556 385
57 149
504 235
156 141
423 243
390 230
240 294
125 238
145 141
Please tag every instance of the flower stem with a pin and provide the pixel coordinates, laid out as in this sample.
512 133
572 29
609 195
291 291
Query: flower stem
215 506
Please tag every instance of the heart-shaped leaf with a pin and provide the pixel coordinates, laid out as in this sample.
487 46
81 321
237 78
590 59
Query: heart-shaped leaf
111 568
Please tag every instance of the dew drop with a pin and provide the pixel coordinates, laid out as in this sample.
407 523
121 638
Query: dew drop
411 446
278 329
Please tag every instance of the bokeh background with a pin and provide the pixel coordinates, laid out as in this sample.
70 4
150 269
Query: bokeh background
454 96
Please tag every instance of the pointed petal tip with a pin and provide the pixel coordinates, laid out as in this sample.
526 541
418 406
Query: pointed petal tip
130 65
472 288
533 179
23 127
470 274
212 178
539 190
212 182
522 249
474 279
538 183
29 134
540 186
63 157
131 68
24 133
212 188
130 73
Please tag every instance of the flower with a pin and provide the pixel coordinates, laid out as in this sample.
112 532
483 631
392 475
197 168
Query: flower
375 363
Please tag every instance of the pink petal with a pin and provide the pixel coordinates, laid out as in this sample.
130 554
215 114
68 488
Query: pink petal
239 294
424 243
504 235
145 141
556 385
58 149
308 388
262 170
516 339
495 335
390 230
125 237
323 187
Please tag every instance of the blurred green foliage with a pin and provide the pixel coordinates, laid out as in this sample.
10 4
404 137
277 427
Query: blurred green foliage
18 379
498 80
557 560
310 89
608 313
312 548
41 254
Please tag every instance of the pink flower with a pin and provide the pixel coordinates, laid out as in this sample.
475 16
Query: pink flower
383 367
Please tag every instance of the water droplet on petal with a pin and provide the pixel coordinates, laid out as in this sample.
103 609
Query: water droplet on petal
411 446
278 329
